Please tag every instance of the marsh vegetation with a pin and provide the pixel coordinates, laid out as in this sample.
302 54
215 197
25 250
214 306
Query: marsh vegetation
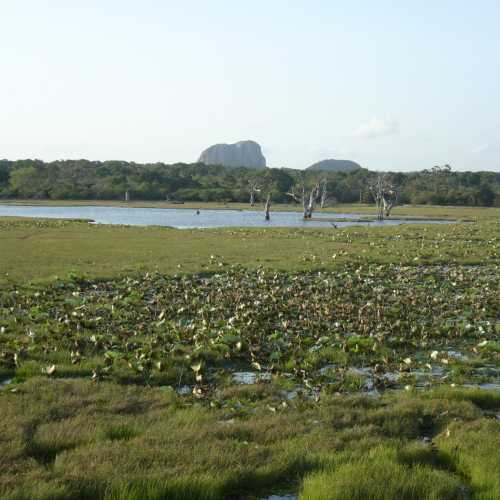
350 363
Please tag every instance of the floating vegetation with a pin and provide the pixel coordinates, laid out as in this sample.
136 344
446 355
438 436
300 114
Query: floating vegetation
357 329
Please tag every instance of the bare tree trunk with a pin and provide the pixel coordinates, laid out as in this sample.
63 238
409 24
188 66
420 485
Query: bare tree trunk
388 205
127 195
310 205
254 188
305 204
384 194
308 202
268 207
324 192
380 207
313 196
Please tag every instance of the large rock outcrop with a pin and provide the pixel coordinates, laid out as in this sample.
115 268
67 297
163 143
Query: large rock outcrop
240 154
335 166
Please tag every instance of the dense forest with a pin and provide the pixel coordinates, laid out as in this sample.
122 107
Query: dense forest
110 180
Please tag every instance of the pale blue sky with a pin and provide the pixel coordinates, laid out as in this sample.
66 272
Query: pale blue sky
398 85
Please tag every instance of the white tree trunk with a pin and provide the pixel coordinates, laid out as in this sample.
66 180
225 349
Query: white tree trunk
308 202
254 188
324 192
384 194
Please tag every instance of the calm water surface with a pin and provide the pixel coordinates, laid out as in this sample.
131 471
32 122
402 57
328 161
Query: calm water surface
182 218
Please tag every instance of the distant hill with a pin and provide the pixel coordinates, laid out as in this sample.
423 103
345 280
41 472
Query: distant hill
241 154
335 166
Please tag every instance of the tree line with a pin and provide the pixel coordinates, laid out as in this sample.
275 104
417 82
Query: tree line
119 180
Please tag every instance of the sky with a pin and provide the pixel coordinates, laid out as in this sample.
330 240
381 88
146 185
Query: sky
394 85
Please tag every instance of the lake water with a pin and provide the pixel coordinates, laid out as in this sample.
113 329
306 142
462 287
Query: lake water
182 218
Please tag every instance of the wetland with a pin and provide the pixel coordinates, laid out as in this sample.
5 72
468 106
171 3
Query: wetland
247 362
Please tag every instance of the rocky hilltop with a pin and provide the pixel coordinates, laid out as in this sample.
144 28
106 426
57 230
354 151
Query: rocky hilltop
335 166
240 154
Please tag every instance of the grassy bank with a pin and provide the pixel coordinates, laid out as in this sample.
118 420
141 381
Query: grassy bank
70 439
42 250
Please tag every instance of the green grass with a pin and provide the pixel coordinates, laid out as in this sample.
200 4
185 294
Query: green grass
77 439
473 448
42 249
379 476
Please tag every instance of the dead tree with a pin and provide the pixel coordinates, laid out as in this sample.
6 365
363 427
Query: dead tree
254 188
313 198
324 192
307 198
300 198
267 206
385 195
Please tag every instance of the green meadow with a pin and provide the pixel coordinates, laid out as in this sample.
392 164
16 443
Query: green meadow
155 363
46 249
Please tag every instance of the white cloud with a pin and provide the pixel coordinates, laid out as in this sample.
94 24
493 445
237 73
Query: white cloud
377 128
480 149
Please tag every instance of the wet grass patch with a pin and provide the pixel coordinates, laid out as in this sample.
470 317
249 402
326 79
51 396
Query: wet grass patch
120 432
82 438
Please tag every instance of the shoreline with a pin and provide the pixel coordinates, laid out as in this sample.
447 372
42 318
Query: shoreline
408 212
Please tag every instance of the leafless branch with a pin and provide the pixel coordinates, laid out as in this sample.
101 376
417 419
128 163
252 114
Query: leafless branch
384 194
